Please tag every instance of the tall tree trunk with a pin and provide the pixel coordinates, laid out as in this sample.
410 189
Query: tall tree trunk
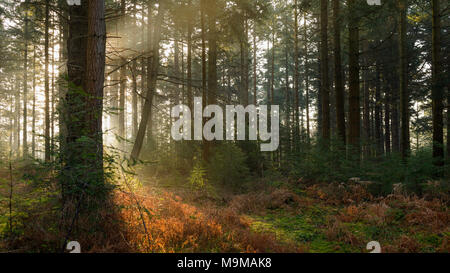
94 80
212 61
395 128
62 86
403 76
438 87
190 94
205 146
52 101
122 94
325 85
86 66
25 83
354 103
143 63
134 100
33 122
123 78
378 113
305 34
244 61
149 63
288 93
387 113
272 67
153 67
366 112
296 80
338 81
17 114
46 80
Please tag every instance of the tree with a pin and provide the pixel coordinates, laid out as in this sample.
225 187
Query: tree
46 79
354 89
403 80
296 80
211 11
338 81
437 88
83 157
325 86
25 80
152 75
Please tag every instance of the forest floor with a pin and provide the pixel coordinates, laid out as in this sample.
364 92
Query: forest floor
165 214
285 216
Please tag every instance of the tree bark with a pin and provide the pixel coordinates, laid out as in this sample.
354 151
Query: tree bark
297 132
325 85
33 122
123 78
25 83
403 80
366 112
46 80
305 34
338 81
134 100
212 62
437 88
153 67
354 89
378 113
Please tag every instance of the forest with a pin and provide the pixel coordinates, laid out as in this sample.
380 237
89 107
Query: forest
97 147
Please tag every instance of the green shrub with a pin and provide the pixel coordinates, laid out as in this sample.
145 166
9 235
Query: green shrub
198 178
228 165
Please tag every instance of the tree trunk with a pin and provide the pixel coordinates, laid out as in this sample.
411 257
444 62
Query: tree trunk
46 80
403 80
33 122
25 83
205 146
395 119
287 91
212 61
296 80
94 80
190 95
354 104
272 67
338 81
123 79
305 34
153 67
122 94
366 112
134 100
325 85
83 164
437 88
378 114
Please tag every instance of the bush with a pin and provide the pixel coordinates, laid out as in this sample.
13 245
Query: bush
227 166
321 165
198 178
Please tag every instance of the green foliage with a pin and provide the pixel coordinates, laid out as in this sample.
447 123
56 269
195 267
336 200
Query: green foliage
228 165
198 178
327 166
